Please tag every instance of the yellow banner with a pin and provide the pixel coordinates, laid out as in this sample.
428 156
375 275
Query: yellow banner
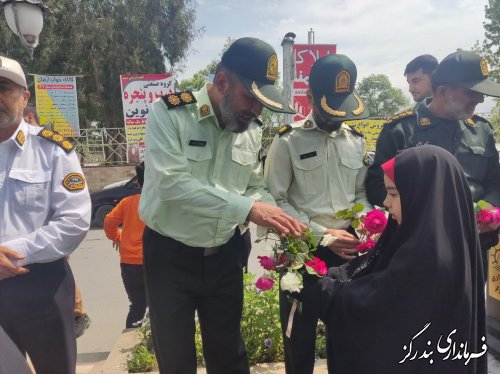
494 272
370 128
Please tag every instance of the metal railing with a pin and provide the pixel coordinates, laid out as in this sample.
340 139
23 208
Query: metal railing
105 146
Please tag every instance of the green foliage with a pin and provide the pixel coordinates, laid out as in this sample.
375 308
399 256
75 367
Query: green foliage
260 328
143 358
101 40
380 97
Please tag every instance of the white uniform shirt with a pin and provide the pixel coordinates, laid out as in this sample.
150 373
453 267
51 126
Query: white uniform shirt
313 174
44 201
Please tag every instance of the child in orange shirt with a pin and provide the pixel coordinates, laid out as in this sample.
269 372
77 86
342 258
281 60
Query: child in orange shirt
128 240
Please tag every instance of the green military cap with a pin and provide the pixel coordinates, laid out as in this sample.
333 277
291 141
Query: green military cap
466 69
331 81
256 64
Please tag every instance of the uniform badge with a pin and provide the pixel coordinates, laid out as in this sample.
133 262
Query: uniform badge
74 182
425 121
272 68
484 67
178 99
284 129
204 110
342 82
308 124
20 137
469 121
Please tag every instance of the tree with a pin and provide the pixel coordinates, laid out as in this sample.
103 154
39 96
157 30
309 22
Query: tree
380 97
101 40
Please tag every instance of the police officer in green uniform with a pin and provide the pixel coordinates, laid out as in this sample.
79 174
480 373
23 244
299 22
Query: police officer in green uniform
447 120
314 168
203 181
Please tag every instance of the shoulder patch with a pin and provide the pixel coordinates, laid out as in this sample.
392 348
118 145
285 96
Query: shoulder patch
354 131
400 116
178 99
475 118
74 182
284 129
54 137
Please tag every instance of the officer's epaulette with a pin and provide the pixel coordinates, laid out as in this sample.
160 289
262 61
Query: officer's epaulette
54 137
354 131
259 122
178 99
475 118
399 116
284 129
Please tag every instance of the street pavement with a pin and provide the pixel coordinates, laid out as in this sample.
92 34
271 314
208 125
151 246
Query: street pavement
96 269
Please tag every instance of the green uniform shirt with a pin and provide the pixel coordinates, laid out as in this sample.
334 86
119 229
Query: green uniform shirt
471 142
200 180
312 174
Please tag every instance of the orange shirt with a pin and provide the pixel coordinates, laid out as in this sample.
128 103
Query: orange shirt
126 213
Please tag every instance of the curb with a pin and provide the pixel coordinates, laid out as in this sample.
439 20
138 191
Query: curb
129 338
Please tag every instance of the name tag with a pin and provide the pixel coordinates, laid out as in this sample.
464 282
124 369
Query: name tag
308 155
198 143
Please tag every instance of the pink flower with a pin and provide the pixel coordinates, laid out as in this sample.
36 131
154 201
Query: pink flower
264 283
485 217
317 265
496 218
366 246
375 221
267 262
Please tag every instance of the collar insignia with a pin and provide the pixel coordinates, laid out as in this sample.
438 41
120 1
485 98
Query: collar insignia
484 67
204 110
308 124
342 82
272 68
20 137
425 121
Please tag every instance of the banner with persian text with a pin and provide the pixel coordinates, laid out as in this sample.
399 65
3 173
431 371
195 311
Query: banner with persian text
370 128
139 91
57 104
305 55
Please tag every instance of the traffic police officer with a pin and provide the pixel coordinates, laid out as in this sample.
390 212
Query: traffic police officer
314 168
44 215
203 180
459 82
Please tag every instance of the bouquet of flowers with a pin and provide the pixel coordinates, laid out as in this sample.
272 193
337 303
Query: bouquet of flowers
486 214
291 256
369 226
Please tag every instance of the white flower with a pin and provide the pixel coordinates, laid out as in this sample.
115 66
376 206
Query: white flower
327 240
291 282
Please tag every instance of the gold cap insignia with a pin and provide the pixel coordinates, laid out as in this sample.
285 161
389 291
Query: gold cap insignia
204 110
342 82
361 107
469 121
327 109
484 67
272 68
259 95
425 121
20 137
308 124
74 182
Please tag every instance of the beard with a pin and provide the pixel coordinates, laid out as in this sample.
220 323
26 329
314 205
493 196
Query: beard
458 110
232 121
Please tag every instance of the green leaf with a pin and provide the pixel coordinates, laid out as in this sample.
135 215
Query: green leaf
483 204
355 223
358 207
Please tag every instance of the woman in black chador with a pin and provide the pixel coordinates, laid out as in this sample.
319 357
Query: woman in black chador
415 303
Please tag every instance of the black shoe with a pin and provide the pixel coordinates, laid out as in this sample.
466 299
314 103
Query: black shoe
82 323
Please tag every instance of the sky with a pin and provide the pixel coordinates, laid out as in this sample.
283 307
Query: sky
381 36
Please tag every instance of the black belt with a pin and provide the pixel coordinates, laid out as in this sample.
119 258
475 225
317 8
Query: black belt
210 251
